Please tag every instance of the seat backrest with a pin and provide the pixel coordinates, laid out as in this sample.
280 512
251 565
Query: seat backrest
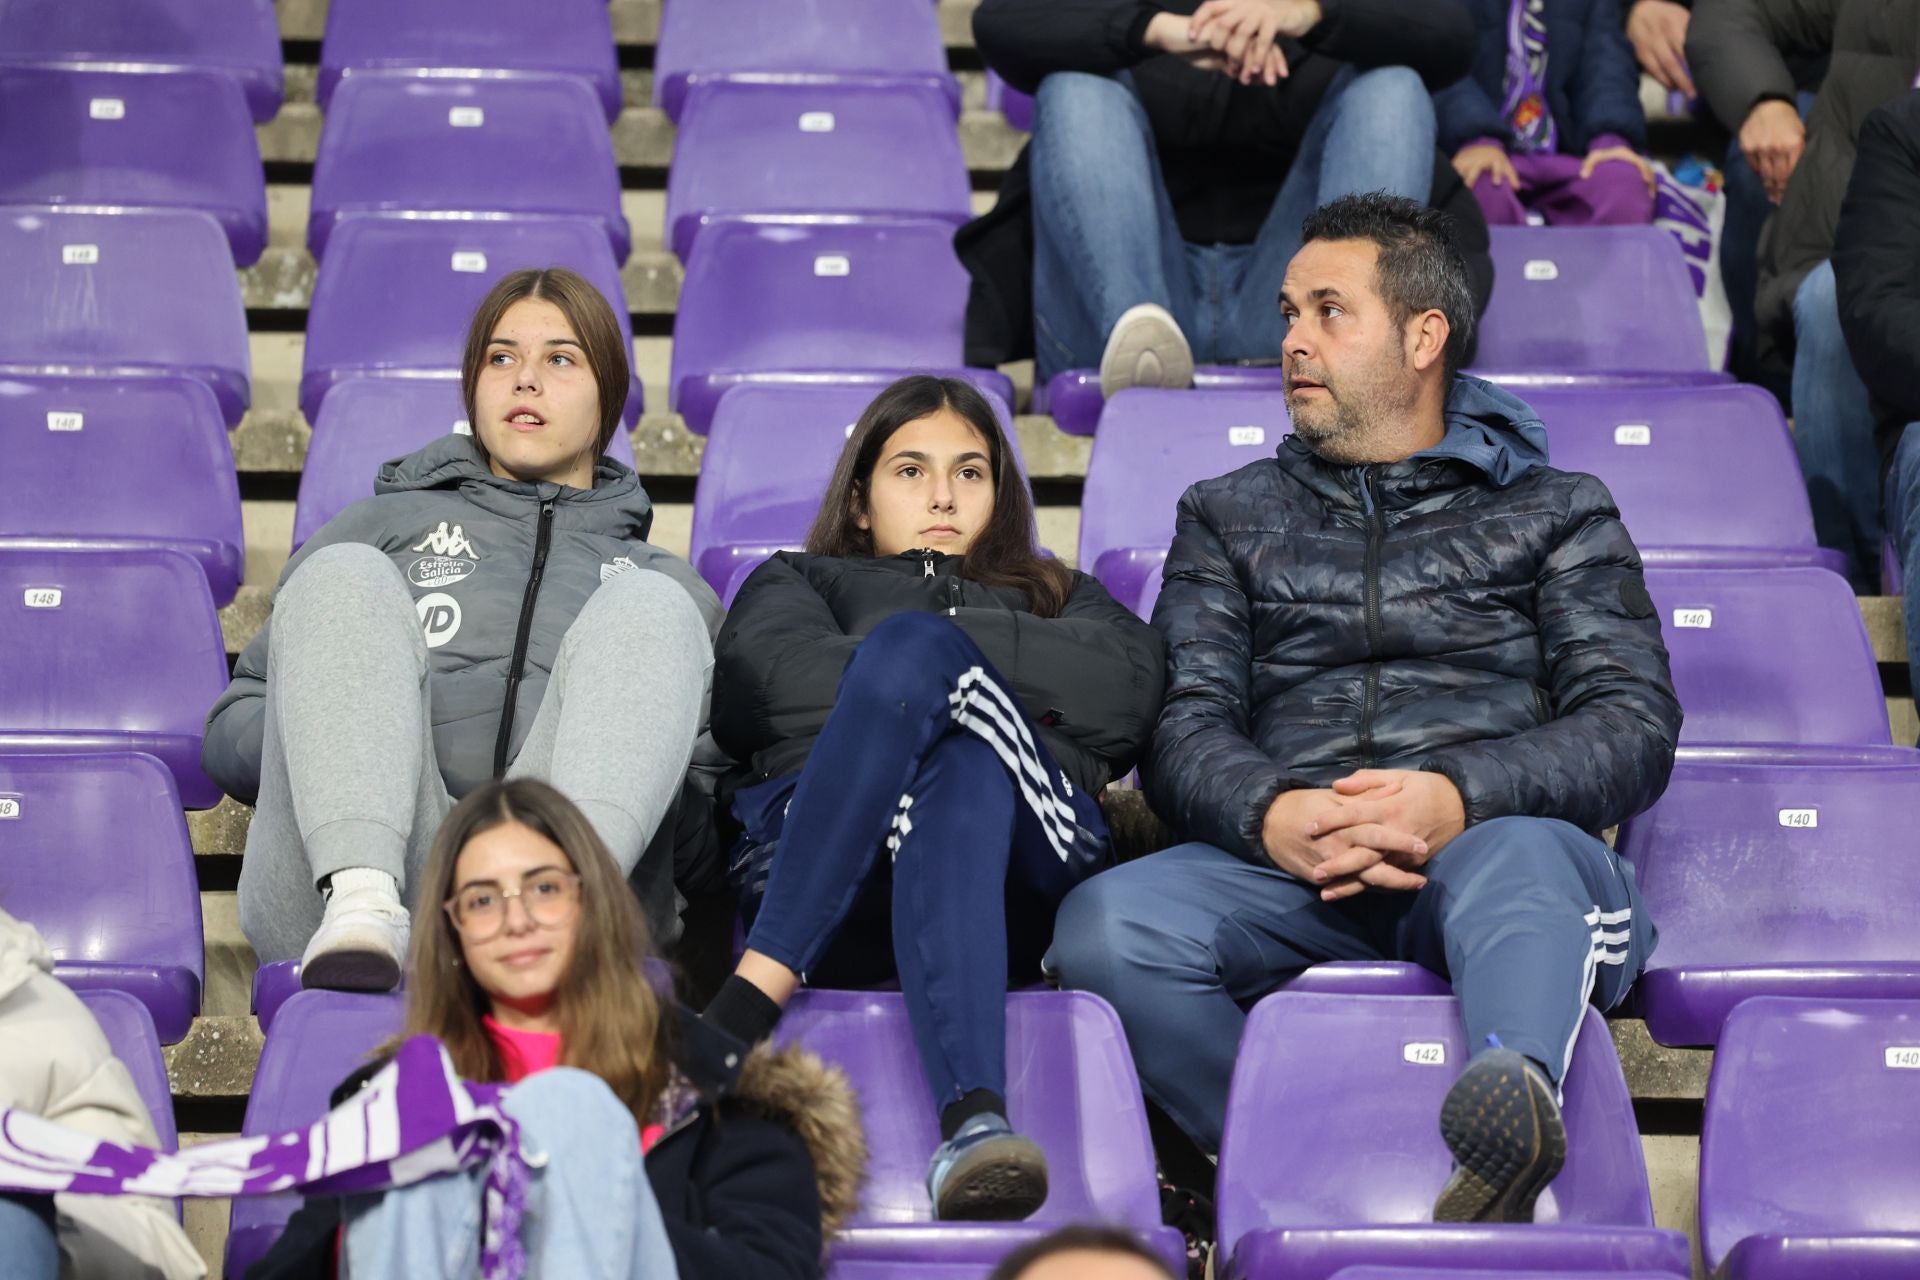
1769 656
119 462
1591 300
1071 1087
1812 1121
810 150
130 1034
1331 1118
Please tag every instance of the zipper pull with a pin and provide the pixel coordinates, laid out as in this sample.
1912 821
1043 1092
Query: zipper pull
927 566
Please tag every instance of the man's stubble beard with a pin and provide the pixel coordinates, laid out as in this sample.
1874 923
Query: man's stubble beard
1360 413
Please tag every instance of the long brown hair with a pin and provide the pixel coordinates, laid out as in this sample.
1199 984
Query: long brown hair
588 313
611 1021
1004 554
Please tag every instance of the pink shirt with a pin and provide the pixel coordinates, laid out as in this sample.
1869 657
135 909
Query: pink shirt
522 1053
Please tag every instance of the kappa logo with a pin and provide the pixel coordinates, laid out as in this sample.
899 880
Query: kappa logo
444 543
617 566
439 618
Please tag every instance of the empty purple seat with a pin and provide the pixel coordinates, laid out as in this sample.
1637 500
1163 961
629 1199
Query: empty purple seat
1015 106
1151 446
110 651
1071 1087
1702 475
1074 400
130 1034
1807 1168
1776 656
1776 879
319 1039
273 985
812 152
856 302
121 462
98 858
459 150
1332 1154
394 297
470 38
239 39
363 423
777 40
122 294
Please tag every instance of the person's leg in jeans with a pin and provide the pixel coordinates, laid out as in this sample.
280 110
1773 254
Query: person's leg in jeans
590 1212
29 1250
1374 131
1903 526
1104 236
1833 431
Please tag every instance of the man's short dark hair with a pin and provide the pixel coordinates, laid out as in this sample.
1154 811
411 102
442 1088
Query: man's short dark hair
1420 266
1076 1239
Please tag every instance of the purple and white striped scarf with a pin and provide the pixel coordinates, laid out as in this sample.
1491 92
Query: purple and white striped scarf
1525 108
415 1120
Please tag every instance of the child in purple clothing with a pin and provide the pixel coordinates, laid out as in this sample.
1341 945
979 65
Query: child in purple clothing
1549 120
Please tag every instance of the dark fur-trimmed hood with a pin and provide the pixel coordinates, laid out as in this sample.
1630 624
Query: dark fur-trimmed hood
794 1086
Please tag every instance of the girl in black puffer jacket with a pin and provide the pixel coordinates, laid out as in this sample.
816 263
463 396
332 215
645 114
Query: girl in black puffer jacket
923 682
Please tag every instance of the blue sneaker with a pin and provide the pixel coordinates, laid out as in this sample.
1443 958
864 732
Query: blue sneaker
987 1173
1502 1123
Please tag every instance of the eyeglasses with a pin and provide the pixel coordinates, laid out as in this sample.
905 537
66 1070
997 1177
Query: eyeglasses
549 898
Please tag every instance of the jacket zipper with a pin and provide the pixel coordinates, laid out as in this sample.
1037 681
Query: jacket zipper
541 541
1376 529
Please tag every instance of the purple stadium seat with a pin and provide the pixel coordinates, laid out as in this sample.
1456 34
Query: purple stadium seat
401 146
1073 397
240 39
274 985
768 459
1151 446
1703 476
123 294
470 39
131 462
363 423
1807 1168
1332 1155
98 858
319 1039
813 152
130 1034
1071 1087
394 297
111 651
780 41
1368 978
125 141
1777 879
854 302
1015 106
1769 656
1476 1273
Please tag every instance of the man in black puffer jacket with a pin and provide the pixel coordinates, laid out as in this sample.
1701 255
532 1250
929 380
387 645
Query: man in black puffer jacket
1413 671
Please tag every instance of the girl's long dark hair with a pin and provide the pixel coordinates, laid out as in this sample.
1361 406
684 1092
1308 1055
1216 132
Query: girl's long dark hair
1004 555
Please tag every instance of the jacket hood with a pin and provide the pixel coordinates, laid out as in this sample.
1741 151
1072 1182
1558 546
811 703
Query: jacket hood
454 462
22 954
1491 430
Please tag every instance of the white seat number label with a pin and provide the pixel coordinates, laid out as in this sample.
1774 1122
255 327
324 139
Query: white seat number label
9 807
1633 433
43 597
467 117
469 261
816 122
1542 269
58 421
79 255
1700 619
1901 1057
1425 1053
1806 819
107 109
1246 435
850 427
461 427
832 264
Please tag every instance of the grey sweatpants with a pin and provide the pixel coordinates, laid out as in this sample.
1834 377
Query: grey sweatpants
347 773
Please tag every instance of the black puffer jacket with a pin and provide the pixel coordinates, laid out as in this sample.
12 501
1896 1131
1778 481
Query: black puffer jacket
1468 610
1091 676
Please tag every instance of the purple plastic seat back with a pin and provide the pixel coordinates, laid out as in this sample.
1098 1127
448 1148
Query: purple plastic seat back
1769 656
129 462
1152 445
1478 1273
98 859
1073 397
470 38
365 422
1770 878
121 294
394 298
129 1031
805 152
778 40
318 1040
854 301
1702 475
240 39
1812 1121
1591 300
131 141
1015 106
110 651
406 146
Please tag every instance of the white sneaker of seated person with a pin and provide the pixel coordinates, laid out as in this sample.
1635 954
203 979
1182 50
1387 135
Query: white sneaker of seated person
361 944
1146 349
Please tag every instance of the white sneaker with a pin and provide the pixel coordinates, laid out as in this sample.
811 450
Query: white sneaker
1146 349
361 944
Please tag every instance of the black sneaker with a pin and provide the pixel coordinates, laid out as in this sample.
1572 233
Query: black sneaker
1502 1124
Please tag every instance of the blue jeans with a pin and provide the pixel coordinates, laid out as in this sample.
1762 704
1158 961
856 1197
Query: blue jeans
1903 526
1833 432
928 755
1104 233
28 1248
590 1213
1530 918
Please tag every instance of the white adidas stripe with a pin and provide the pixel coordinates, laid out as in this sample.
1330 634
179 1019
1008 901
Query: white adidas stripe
982 708
1605 946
